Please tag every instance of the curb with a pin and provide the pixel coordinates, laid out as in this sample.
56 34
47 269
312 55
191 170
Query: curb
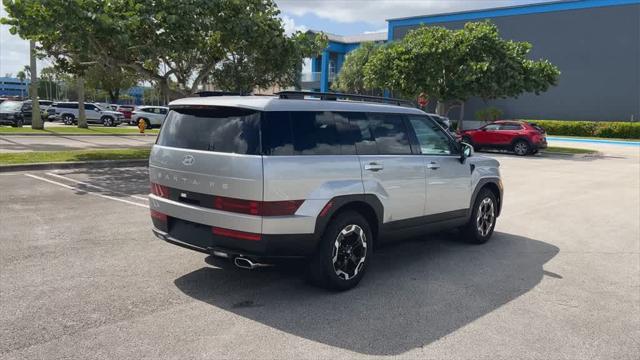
578 156
73 134
75 165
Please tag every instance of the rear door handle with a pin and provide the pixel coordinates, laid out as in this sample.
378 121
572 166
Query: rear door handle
373 167
433 165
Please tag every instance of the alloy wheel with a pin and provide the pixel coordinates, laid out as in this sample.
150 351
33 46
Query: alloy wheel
349 252
486 217
521 148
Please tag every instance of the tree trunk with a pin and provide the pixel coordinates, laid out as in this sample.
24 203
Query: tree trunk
441 108
461 121
82 116
164 91
114 95
36 120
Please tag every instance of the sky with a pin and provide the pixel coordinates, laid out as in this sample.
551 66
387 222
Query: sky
342 17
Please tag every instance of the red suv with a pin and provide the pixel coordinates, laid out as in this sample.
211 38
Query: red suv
126 110
521 137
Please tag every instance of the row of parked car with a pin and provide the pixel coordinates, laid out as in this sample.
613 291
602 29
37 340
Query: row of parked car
521 137
18 113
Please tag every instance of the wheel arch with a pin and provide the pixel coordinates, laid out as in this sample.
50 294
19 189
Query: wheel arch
492 184
367 205
519 138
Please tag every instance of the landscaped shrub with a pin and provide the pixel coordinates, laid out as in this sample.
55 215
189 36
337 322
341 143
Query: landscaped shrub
489 114
622 130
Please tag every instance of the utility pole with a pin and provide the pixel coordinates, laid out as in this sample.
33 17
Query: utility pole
36 120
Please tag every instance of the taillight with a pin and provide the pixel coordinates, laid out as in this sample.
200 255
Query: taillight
237 205
260 208
160 190
158 215
280 208
235 234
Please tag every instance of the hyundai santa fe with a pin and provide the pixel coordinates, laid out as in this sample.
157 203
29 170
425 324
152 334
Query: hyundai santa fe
258 179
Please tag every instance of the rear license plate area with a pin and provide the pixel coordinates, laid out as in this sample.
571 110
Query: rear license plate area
191 233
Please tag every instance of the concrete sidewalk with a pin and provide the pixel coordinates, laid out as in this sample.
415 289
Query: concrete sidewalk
23 143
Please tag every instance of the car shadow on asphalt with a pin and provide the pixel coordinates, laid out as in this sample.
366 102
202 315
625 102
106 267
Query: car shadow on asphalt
414 293
115 182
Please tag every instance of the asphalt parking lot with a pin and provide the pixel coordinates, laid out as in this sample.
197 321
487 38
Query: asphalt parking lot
81 276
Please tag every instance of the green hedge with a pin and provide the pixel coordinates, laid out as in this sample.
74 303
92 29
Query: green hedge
621 130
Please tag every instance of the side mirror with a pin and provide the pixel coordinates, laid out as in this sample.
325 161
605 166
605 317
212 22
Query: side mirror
466 151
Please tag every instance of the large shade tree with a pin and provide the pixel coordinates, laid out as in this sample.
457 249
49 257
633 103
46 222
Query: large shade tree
110 79
351 76
237 44
451 66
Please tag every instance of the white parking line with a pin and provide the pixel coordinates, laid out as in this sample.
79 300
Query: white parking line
85 191
96 186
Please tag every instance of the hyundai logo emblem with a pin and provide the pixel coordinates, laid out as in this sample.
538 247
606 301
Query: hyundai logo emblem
188 160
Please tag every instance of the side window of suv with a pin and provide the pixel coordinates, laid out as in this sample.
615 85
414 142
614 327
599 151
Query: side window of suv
390 133
89 107
308 133
512 127
431 138
317 133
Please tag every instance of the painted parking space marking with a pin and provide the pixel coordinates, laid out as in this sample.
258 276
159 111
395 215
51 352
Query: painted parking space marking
74 188
96 186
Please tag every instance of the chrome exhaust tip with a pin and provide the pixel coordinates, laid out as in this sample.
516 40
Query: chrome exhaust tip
245 263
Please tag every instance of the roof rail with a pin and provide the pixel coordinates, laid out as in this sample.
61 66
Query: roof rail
219 93
341 96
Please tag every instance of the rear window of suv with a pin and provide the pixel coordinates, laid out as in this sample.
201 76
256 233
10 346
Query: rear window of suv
219 129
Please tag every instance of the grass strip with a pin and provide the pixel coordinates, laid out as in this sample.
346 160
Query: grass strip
63 130
72 155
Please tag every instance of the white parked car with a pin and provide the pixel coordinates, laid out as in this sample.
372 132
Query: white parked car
68 113
153 116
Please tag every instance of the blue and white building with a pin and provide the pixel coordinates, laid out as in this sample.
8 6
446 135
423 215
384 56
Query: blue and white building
325 67
595 44
10 86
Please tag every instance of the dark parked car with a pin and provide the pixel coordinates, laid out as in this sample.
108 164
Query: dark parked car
15 113
521 137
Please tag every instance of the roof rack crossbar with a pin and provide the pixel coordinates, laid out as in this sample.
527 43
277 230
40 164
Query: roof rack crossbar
342 96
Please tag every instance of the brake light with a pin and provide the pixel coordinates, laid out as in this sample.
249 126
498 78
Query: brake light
158 215
259 208
237 205
160 190
280 208
235 234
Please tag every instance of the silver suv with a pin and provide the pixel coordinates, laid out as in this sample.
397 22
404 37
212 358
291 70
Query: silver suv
256 179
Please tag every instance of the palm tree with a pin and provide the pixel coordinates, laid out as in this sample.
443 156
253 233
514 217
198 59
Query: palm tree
21 75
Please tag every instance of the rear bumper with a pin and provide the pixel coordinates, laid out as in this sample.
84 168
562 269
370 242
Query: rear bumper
542 144
269 247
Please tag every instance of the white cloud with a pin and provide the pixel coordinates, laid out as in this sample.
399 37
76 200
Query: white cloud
384 29
290 25
377 11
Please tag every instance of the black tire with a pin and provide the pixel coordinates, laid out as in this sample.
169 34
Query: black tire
147 124
477 231
18 123
521 148
107 121
68 119
355 247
